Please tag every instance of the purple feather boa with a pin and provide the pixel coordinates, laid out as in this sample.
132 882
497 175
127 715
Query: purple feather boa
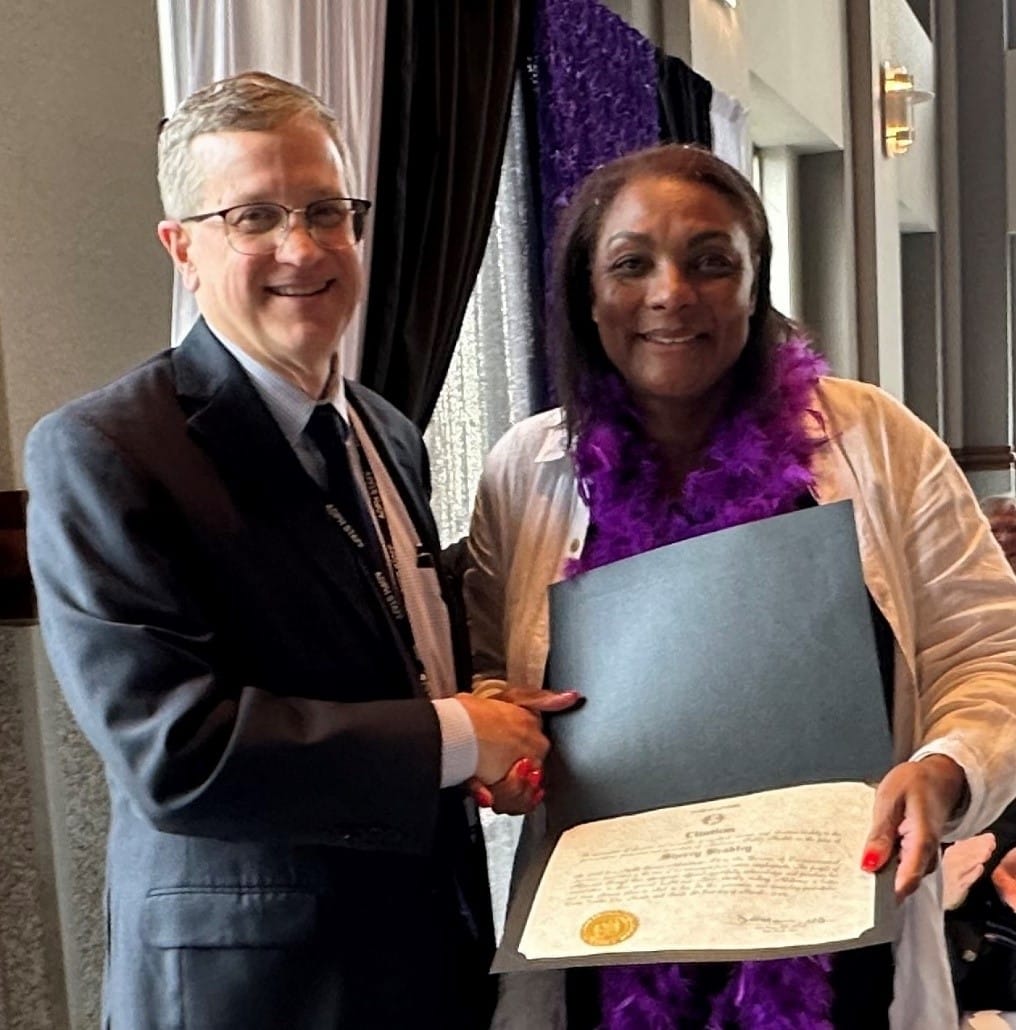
757 465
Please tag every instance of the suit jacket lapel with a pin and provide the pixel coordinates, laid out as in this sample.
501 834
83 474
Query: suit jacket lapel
228 419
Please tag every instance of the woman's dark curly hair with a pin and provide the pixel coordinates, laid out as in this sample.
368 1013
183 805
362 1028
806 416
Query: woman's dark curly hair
578 358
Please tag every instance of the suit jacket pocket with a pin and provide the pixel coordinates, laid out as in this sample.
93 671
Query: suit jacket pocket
228 917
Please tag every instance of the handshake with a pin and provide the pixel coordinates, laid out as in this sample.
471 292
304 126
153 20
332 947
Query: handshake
511 743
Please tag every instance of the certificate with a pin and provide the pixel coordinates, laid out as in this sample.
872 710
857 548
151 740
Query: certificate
719 671
777 869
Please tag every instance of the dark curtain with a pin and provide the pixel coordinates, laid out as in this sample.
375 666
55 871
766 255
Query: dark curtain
684 101
449 69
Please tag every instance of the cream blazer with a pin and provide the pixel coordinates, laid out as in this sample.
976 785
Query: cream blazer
929 561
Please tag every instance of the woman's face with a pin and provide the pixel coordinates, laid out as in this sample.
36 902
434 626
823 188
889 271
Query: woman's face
673 284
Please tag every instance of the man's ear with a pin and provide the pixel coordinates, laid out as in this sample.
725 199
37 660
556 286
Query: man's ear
176 239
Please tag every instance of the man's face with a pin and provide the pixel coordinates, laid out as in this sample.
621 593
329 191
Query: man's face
287 308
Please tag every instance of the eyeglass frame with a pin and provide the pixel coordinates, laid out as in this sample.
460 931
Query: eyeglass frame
359 205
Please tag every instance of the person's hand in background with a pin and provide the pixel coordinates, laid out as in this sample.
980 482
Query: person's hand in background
963 865
1004 878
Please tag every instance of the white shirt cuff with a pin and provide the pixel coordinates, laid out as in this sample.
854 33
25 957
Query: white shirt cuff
459 750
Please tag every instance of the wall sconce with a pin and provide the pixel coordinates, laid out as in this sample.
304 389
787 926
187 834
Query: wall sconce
898 99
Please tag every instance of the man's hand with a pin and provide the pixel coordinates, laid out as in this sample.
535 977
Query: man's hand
912 804
504 732
519 789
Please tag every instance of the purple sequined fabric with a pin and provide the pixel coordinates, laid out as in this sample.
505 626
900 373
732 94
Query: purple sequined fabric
757 465
596 95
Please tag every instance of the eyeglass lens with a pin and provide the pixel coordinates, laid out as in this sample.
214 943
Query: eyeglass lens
259 228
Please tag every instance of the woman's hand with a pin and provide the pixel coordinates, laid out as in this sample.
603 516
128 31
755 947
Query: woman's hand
518 792
912 804
538 700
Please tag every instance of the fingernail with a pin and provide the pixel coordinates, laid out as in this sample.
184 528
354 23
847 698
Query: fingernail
523 767
871 861
535 777
483 797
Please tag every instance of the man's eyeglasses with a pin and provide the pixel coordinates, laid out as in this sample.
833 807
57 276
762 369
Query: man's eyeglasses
333 223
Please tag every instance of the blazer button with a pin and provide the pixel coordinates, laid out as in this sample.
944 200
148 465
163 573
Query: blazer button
574 546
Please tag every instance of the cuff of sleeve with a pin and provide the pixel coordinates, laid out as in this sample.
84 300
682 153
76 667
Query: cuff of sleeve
459 750
488 687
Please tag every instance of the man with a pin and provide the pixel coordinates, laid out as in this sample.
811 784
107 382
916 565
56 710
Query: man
234 562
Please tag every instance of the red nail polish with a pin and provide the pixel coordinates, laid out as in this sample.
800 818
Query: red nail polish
539 796
535 777
523 767
871 861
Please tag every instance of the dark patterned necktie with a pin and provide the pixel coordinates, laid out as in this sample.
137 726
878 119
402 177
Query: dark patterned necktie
329 433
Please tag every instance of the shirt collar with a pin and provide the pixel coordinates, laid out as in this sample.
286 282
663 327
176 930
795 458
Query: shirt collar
289 405
555 441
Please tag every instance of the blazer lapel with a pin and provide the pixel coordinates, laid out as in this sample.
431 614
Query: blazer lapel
227 419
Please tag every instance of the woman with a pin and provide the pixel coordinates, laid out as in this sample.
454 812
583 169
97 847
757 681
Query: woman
689 405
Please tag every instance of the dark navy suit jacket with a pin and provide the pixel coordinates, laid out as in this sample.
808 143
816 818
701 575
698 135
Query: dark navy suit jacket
280 853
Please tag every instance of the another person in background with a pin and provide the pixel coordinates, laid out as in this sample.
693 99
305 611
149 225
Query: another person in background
979 873
232 552
1001 513
691 405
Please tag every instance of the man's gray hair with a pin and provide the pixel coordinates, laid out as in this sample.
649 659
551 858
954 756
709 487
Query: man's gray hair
251 101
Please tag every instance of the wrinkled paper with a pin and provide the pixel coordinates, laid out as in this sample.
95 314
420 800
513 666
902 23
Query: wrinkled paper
776 869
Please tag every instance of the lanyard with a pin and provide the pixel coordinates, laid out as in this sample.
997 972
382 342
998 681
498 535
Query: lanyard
388 586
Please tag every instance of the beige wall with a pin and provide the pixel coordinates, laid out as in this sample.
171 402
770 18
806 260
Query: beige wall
719 50
84 289
84 294
797 56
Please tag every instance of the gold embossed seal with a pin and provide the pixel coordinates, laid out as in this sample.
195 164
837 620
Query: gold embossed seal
607 928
